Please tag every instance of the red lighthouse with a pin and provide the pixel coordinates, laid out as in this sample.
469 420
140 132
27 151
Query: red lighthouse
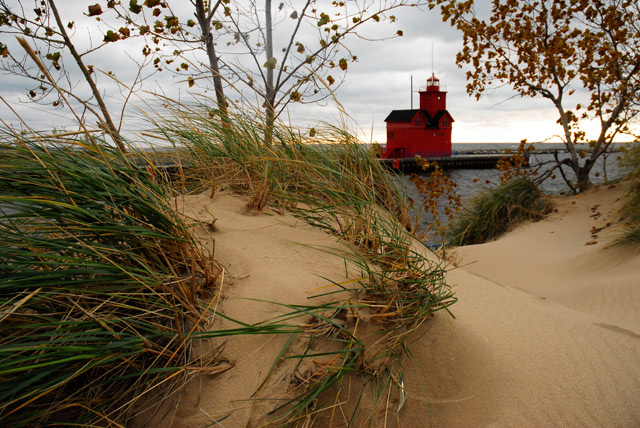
426 131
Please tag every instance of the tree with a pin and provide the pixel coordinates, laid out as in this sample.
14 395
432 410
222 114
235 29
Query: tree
170 32
277 54
291 54
311 41
50 40
560 50
204 14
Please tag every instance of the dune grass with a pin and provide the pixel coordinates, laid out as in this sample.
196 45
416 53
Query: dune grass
103 287
630 209
101 284
337 185
494 211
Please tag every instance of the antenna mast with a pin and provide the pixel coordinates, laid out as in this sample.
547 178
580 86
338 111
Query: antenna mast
432 58
411 92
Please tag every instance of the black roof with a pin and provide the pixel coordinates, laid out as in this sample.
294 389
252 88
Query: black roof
407 115
404 115
438 116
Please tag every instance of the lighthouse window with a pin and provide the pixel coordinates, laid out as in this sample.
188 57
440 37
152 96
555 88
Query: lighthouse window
438 96
435 134
391 135
418 122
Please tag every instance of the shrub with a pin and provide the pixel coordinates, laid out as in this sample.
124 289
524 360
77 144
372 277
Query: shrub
493 211
630 209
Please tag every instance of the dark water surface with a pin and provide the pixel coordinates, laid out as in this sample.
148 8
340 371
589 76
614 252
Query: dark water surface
606 169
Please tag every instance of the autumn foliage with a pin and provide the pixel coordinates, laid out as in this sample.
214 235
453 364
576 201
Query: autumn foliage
440 199
581 55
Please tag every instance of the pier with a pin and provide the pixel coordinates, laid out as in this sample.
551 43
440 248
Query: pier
404 165
461 161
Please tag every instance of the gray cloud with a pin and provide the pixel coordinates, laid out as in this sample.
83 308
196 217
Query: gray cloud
376 84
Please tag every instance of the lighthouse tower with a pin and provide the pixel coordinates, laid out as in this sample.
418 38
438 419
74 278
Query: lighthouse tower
425 131
432 99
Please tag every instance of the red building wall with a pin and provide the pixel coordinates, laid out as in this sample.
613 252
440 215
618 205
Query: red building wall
413 132
406 140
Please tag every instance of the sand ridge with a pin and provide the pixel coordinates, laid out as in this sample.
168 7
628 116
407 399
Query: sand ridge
512 359
546 330
557 312
567 259
267 257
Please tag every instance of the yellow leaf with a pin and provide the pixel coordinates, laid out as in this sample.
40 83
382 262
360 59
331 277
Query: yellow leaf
271 63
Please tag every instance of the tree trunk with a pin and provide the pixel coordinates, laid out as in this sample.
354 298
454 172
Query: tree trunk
204 20
270 95
584 181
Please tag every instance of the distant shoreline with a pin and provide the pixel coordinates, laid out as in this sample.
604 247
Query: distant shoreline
538 148
529 142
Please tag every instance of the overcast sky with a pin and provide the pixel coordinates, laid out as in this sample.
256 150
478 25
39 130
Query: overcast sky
380 81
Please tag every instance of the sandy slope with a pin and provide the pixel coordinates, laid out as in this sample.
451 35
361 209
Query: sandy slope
268 258
547 330
511 359
564 260
546 334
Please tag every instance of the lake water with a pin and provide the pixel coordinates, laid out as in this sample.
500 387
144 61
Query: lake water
471 181
606 169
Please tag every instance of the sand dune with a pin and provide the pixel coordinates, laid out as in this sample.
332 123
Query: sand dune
546 334
547 330
565 259
512 359
269 258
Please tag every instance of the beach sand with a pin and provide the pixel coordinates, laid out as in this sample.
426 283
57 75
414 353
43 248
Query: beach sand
546 330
